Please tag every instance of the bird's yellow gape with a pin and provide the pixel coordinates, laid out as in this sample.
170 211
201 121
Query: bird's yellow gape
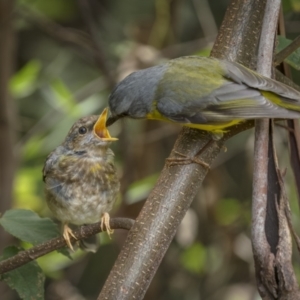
100 129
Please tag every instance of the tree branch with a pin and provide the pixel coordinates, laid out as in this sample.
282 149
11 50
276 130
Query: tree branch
242 17
262 251
288 50
271 236
35 252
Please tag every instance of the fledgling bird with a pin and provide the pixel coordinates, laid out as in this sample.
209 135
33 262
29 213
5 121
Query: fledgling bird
204 93
81 183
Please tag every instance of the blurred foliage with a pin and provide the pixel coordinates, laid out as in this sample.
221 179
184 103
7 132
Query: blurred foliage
194 258
140 189
23 82
295 5
60 76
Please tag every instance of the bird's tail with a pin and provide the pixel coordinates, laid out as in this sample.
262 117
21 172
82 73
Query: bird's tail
90 244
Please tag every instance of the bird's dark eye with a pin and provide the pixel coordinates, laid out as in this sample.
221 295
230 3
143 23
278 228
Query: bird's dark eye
82 130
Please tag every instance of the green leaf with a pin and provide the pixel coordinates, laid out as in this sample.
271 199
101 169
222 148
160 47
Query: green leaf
194 257
63 96
23 83
27 226
27 280
293 59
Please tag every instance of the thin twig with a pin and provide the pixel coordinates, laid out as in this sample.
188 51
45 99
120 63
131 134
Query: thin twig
35 252
99 55
288 50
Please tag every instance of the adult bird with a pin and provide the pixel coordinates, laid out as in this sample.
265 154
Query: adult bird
81 183
202 92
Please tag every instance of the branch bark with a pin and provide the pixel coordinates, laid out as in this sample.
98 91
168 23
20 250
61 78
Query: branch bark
271 227
35 252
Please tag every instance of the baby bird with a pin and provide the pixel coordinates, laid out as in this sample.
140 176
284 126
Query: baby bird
81 183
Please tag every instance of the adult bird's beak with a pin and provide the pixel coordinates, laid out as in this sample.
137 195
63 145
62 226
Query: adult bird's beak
111 120
100 129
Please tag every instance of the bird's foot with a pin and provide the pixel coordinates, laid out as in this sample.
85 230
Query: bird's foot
67 232
105 221
185 160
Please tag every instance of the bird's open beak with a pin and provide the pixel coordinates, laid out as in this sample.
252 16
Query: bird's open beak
100 129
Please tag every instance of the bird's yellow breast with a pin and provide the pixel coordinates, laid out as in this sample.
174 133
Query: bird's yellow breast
211 127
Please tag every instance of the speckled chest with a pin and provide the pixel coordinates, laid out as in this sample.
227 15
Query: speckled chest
80 190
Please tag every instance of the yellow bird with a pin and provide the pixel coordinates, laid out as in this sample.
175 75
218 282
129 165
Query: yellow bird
204 93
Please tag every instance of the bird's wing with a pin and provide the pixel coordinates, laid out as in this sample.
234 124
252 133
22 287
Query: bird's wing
240 74
50 162
225 104
236 97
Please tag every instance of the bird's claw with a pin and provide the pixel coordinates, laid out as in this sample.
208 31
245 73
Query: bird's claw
105 221
66 234
185 160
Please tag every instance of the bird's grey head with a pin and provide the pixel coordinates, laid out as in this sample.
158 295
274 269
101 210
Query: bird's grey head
134 96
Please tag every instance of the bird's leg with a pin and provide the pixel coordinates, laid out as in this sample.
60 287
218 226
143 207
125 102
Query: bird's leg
67 232
185 160
105 221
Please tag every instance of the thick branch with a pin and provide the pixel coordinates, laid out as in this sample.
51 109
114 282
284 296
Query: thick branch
240 31
263 256
35 252
260 176
271 237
